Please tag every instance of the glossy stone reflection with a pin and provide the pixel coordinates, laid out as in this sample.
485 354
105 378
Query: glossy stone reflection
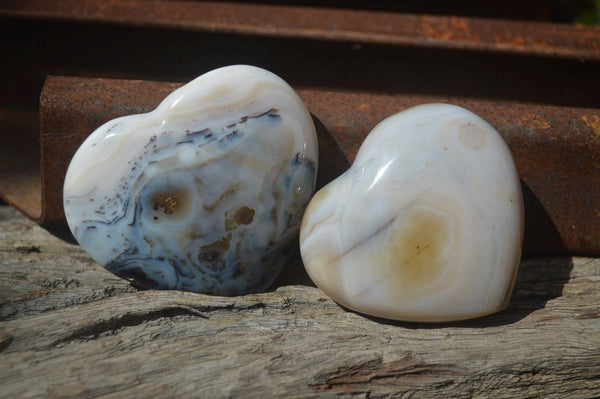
205 193
426 225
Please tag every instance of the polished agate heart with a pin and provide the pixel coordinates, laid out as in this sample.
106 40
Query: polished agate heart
205 193
426 225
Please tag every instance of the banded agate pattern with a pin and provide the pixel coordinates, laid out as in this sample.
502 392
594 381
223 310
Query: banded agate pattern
425 226
205 193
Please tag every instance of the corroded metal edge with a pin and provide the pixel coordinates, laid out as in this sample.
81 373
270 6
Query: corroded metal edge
555 148
317 23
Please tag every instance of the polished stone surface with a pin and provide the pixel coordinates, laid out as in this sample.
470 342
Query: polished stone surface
205 193
426 225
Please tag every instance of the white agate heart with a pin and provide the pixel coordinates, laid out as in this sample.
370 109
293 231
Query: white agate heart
426 225
205 193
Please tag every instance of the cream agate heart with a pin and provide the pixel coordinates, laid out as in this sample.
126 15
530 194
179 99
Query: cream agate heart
426 225
205 193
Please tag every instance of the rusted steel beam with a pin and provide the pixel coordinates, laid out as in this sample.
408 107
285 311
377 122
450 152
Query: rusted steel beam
318 23
556 148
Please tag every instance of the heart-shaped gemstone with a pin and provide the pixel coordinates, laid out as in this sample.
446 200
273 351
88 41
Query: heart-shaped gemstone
426 225
205 193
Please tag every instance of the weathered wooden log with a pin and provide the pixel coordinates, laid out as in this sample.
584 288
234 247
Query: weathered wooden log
71 329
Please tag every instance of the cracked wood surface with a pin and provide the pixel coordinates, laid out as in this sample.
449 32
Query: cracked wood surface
70 329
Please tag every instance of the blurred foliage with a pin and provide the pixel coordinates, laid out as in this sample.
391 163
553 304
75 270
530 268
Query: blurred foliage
591 16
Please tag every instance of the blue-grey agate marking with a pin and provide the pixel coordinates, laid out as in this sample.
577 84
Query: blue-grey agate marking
205 206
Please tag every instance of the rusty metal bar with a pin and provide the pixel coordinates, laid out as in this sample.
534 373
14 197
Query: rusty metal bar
556 148
317 23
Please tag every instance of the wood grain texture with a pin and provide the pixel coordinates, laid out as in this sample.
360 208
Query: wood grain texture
70 329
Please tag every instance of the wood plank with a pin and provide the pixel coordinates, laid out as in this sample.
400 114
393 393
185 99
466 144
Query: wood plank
71 329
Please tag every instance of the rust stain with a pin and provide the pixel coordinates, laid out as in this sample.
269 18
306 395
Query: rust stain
509 38
593 121
534 122
459 23
541 44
